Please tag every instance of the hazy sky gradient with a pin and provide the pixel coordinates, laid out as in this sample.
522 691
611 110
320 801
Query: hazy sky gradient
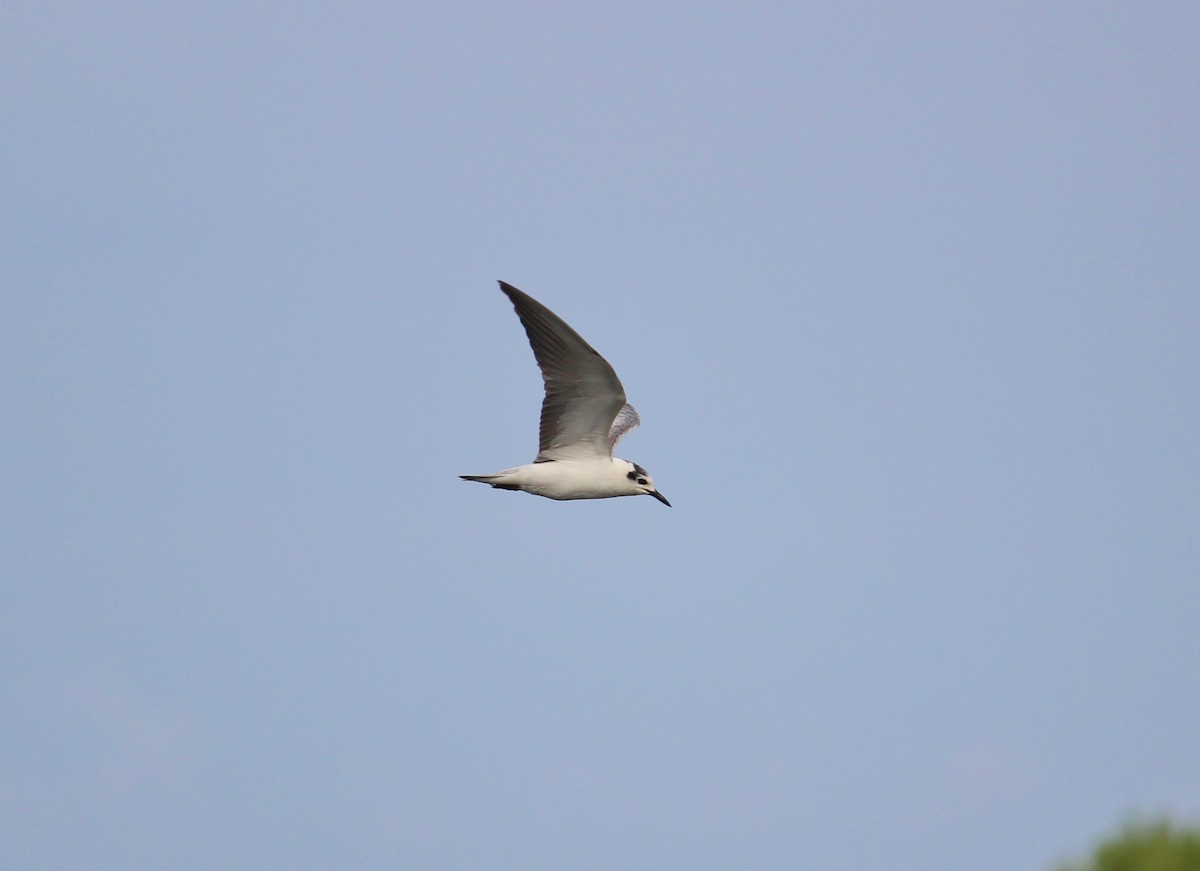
907 295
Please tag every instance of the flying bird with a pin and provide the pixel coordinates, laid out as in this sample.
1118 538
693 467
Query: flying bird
584 414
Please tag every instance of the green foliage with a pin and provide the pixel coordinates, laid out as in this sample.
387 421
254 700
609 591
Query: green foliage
1146 846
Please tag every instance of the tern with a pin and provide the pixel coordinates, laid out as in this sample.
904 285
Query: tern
584 414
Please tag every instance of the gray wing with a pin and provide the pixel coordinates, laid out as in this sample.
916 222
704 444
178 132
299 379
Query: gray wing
583 393
627 419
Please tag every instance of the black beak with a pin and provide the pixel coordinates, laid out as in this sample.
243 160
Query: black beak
660 497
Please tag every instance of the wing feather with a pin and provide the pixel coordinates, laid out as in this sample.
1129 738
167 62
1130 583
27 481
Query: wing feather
583 393
626 420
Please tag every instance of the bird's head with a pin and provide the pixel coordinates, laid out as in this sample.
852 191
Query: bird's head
641 483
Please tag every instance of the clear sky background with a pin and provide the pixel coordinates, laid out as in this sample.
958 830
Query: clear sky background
907 295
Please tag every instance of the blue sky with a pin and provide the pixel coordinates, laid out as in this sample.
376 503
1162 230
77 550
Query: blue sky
906 295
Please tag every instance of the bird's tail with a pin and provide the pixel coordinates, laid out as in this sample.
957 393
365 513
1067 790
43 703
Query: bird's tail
494 480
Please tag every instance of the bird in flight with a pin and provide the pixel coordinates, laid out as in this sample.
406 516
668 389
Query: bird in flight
584 414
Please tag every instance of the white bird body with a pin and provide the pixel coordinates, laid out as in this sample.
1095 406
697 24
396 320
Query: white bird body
569 479
584 414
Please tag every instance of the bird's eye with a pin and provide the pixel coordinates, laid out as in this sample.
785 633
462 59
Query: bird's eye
641 480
